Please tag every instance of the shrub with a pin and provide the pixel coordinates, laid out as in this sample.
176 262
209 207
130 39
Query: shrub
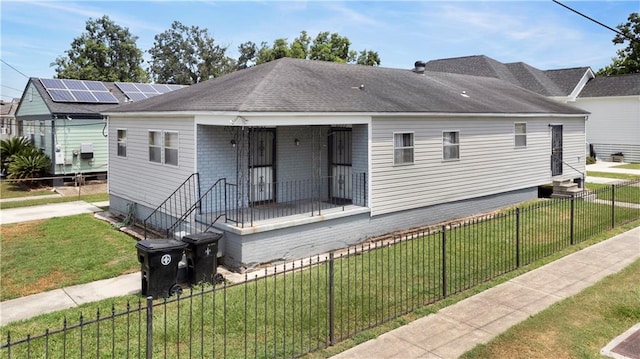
11 147
29 163
591 160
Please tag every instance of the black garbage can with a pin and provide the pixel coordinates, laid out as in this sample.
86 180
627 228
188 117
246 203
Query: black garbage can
201 253
159 259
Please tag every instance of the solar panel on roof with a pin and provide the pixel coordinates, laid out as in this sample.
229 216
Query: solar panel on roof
141 91
67 90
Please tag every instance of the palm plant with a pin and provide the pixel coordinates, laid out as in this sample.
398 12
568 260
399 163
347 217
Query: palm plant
11 147
29 163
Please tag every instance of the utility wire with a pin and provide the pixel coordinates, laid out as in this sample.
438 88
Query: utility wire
598 22
16 70
12 88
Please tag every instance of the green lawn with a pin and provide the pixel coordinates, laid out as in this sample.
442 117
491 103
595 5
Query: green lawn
623 194
577 327
10 189
287 315
43 255
629 166
623 176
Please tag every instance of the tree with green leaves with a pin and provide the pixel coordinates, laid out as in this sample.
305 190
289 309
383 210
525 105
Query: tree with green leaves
325 47
628 59
188 55
104 52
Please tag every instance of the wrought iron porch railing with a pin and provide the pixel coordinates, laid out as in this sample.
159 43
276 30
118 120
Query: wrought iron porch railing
244 205
270 200
169 211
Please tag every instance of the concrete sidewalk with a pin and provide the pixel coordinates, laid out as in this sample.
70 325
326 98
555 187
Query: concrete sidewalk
32 213
458 328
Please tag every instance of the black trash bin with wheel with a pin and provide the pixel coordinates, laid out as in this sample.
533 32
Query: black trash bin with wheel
159 259
202 253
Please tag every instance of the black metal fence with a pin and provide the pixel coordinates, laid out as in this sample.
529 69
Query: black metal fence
300 307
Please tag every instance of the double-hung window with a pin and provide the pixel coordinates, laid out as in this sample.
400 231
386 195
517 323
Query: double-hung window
122 143
521 134
402 148
450 145
163 147
171 148
155 146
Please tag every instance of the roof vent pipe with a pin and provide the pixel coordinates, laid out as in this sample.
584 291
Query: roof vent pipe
419 67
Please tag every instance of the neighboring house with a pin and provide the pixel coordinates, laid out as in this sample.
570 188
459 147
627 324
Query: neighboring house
614 123
296 157
63 118
8 125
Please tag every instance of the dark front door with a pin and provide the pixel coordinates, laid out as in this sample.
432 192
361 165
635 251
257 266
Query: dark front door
556 150
340 158
262 145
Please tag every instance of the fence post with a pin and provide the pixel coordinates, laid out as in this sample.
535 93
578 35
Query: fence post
149 327
332 296
518 237
572 220
613 206
444 261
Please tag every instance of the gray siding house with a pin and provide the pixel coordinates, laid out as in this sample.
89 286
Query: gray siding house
296 157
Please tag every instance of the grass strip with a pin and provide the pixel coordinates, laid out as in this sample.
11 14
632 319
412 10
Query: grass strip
629 166
624 176
577 327
99 197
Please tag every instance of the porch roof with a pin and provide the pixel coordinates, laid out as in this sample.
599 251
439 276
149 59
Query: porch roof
304 86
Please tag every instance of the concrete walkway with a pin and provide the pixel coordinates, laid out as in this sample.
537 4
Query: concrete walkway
458 328
32 213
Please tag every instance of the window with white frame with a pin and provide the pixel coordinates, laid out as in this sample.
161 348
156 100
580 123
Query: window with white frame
451 145
171 148
155 146
122 142
521 134
402 148
42 135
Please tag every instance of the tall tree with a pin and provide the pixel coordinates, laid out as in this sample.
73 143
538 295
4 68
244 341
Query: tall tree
331 47
104 52
628 59
325 47
187 55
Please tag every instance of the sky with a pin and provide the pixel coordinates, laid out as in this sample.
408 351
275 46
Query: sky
540 33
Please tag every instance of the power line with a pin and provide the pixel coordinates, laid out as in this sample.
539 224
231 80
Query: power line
12 88
598 22
16 70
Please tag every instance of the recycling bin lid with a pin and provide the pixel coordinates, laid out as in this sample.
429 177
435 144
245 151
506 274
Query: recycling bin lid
159 245
202 238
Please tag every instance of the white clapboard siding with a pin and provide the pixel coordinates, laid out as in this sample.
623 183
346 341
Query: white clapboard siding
135 177
613 120
489 161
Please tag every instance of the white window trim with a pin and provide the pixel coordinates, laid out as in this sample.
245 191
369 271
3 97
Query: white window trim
515 135
163 147
125 142
459 152
160 146
176 147
413 147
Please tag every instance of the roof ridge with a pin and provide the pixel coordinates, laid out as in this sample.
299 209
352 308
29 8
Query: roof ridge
257 89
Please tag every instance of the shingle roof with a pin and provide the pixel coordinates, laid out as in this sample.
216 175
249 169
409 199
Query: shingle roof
294 85
618 85
547 83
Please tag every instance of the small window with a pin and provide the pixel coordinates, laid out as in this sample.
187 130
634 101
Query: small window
155 146
171 148
451 145
402 148
122 143
42 135
521 134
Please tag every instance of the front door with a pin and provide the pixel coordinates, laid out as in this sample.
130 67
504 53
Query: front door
556 150
262 144
340 157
